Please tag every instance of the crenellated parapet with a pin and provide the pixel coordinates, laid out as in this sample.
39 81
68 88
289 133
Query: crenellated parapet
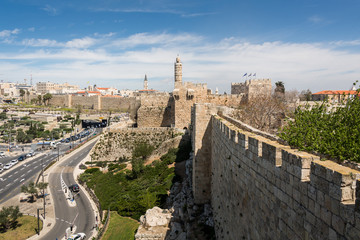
261 189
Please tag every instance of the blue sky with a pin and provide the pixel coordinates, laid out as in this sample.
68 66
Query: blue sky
307 44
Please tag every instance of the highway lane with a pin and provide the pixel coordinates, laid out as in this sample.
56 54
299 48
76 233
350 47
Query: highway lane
82 215
23 172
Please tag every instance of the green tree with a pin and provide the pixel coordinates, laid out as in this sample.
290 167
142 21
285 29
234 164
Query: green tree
142 150
22 93
30 189
9 216
21 136
39 99
46 98
3 116
327 129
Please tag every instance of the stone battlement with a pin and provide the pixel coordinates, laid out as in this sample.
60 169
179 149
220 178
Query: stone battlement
261 189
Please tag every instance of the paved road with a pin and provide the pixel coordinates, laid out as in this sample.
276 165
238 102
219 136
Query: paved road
81 216
23 172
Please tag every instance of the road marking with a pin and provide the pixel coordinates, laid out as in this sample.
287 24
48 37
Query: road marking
1 190
7 185
16 172
10 176
2 179
22 175
22 168
29 170
22 180
16 180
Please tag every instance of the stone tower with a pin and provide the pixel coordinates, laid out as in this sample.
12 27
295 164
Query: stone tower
178 72
145 83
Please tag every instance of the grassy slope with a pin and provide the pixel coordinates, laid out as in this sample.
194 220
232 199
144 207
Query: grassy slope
27 226
120 228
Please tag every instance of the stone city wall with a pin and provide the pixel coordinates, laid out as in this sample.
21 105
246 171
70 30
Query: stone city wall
156 111
260 189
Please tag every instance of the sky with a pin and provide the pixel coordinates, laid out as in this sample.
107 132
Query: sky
306 44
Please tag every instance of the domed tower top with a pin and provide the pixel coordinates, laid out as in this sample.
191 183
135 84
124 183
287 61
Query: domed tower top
178 71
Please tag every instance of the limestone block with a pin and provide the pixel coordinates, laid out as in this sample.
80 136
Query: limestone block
338 224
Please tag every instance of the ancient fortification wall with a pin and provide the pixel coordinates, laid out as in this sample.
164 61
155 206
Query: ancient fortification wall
260 189
156 111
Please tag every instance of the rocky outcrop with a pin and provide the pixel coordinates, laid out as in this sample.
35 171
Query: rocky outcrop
183 219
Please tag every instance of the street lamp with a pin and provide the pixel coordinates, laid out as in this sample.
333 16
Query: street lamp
42 173
38 220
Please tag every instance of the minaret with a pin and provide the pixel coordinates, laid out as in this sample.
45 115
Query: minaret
217 91
178 71
145 83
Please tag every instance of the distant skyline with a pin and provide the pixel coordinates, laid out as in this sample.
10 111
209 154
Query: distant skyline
307 44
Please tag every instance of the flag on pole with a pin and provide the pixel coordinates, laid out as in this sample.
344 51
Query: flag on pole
244 74
250 75
254 75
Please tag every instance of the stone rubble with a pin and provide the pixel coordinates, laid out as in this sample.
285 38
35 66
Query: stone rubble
180 221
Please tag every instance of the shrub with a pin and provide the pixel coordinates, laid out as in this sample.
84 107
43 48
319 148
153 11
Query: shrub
92 170
334 133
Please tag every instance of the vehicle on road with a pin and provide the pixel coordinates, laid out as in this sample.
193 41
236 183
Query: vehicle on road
30 154
77 236
21 158
1 169
14 161
47 144
2 154
74 188
1 165
8 166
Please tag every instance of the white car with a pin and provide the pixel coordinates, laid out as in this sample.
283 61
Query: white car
13 162
77 236
8 165
2 154
1 169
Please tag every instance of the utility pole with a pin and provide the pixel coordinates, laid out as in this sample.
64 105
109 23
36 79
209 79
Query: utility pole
42 169
38 220
58 147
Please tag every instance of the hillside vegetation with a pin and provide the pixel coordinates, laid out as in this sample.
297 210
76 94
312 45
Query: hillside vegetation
132 192
334 133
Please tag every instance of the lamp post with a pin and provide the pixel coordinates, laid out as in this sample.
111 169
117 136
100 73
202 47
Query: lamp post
42 173
58 147
38 220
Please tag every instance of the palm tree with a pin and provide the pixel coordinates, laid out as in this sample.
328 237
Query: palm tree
280 88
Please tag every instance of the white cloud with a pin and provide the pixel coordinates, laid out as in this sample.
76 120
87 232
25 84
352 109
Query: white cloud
163 39
31 29
50 10
81 43
40 42
8 33
118 63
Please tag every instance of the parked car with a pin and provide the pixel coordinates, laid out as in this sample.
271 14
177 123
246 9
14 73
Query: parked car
21 158
1 169
14 161
77 236
8 166
2 154
74 188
